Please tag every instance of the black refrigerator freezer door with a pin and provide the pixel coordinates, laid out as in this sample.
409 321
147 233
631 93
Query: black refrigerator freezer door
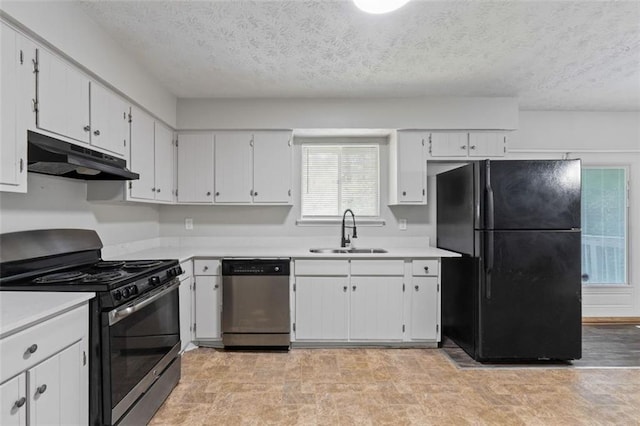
531 194
530 295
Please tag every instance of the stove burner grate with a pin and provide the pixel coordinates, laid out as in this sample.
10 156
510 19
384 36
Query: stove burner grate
61 277
104 276
141 264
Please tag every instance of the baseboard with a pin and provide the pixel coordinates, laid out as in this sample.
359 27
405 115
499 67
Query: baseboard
610 320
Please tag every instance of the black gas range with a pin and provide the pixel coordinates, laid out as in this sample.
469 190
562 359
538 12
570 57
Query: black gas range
134 337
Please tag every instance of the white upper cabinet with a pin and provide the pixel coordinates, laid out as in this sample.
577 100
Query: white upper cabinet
63 98
142 156
467 144
233 167
71 105
272 158
17 90
195 168
408 168
164 161
109 120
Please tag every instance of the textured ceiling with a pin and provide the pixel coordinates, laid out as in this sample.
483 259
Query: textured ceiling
550 54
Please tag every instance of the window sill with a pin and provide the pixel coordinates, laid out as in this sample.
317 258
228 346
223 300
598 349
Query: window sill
336 221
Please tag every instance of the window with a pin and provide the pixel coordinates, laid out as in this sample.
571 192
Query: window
604 225
339 177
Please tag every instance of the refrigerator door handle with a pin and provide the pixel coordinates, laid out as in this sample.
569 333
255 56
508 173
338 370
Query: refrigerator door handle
489 222
488 250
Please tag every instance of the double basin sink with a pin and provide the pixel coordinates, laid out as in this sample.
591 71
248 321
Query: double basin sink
348 250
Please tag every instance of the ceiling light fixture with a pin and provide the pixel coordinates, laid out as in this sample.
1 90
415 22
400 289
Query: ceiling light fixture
379 6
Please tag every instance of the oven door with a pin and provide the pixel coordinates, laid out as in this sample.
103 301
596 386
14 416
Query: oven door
142 338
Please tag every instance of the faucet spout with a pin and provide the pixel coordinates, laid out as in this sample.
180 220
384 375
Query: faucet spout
345 237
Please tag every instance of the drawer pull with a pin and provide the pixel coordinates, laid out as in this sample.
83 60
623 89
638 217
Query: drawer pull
426 269
205 268
354 288
344 288
19 403
32 349
417 288
216 286
41 389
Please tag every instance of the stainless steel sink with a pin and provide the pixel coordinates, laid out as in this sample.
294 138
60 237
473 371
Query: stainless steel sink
347 251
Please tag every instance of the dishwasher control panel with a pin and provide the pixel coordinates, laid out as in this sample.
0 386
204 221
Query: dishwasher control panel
255 266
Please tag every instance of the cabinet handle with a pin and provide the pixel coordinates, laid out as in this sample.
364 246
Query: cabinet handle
217 194
96 132
354 288
158 190
472 147
404 193
153 190
216 286
463 147
206 268
208 193
87 128
19 403
41 389
417 288
344 288
255 194
32 349
426 269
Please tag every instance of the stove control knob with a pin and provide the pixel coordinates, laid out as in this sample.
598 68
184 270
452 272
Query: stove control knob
133 289
126 292
117 295
154 281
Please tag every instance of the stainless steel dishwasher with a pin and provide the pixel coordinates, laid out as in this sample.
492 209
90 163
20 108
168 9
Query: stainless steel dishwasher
255 302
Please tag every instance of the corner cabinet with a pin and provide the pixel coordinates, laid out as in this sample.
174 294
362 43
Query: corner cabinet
44 376
407 168
463 145
17 90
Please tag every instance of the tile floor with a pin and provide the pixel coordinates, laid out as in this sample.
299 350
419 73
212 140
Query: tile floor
390 386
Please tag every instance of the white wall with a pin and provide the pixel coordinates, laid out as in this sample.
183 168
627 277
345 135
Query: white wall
64 25
54 202
598 138
414 113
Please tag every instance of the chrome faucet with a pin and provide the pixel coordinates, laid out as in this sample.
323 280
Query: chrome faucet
345 241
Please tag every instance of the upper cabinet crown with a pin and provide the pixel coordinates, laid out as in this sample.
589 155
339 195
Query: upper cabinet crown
467 144
69 104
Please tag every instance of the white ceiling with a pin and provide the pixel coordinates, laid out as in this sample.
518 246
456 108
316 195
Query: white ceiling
581 55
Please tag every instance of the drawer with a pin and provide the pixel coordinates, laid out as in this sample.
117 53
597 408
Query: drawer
187 269
377 267
48 338
206 267
425 267
322 267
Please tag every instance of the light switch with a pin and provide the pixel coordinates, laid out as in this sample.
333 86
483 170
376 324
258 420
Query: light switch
188 224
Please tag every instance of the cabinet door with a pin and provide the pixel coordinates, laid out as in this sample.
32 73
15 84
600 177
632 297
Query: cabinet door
195 168
376 308
208 304
186 309
233 167
487 144
109 120
322 309
448 144
12 161
142 155
13 398
164 163
63 98
412 168
56 388
272 167
424 308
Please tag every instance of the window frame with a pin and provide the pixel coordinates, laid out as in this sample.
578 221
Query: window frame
627 210
376 141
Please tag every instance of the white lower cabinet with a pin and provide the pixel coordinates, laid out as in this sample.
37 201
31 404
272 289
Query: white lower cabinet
44 375
208 299
424 315
376 308
322 308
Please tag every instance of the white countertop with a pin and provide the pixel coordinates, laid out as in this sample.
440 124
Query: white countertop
21 309
184 253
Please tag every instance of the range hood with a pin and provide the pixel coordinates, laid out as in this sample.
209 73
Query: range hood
52 156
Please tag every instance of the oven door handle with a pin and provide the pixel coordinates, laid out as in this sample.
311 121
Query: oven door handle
121 313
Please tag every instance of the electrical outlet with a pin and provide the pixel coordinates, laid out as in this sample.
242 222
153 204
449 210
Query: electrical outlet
402 224
188 224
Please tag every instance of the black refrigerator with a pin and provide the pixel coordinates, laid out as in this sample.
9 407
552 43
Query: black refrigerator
515 293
